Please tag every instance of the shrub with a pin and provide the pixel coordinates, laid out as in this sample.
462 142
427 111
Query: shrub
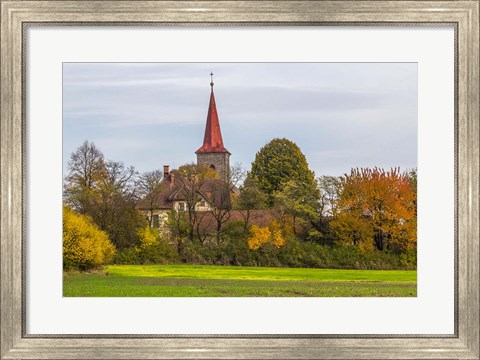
235 246
153 249
160 252
85 246
196 253
235 250
234 230
128 256
260 236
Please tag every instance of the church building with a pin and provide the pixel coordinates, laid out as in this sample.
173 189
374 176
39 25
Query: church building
213 153
172 191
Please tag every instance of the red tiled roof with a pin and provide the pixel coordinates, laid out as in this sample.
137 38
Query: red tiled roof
174 188
163 196
212 140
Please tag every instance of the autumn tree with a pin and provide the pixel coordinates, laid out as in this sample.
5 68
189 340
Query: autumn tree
271 234
375 209
278 162
259 236
104 190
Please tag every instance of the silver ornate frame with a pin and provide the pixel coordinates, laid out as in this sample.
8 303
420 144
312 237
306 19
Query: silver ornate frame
15 15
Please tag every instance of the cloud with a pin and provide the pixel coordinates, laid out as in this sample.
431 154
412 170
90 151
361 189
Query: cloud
341 115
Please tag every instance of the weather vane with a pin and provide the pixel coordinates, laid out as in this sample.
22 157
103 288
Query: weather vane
211 79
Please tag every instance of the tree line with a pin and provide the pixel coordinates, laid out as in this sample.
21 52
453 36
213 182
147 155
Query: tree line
363 219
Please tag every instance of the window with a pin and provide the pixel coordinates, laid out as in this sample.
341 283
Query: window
202 203
181 206
155 221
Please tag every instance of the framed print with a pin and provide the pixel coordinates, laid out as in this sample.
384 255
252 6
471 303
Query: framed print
126 262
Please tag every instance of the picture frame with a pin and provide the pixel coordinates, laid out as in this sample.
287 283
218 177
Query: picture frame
17 15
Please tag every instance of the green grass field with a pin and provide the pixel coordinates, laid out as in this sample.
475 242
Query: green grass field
234 281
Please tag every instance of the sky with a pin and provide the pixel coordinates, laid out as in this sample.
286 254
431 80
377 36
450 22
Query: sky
341 115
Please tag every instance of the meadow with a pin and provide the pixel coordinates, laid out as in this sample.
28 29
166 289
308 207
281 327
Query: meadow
237 281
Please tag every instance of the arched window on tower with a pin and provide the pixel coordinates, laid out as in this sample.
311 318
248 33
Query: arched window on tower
212 167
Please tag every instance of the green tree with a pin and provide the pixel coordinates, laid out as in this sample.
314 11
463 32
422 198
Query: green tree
178 227
298 200
278 162
251 198
85 246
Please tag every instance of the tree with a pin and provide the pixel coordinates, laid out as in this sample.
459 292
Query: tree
412 176
178 227
115 204
278 162
115 190
104 190
149 187
251 198
154 248
85 246
299 201
259 236
220 193
376 209
328 187
86 169
193 178
271 234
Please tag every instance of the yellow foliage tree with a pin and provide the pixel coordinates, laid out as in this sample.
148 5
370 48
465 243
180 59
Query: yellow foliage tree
85 246
148 236
260 236
278 239
263 235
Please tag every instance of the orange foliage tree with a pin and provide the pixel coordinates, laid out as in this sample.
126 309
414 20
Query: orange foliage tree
376 209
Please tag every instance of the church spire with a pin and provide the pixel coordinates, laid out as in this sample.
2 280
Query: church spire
212 140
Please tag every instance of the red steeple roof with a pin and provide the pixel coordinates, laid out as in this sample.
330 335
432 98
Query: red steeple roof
212 140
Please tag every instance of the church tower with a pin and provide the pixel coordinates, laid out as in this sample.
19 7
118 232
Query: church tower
212 153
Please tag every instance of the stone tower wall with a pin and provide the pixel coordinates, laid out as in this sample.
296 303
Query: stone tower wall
221 161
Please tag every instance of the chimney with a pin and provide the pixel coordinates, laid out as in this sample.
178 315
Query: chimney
165 170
